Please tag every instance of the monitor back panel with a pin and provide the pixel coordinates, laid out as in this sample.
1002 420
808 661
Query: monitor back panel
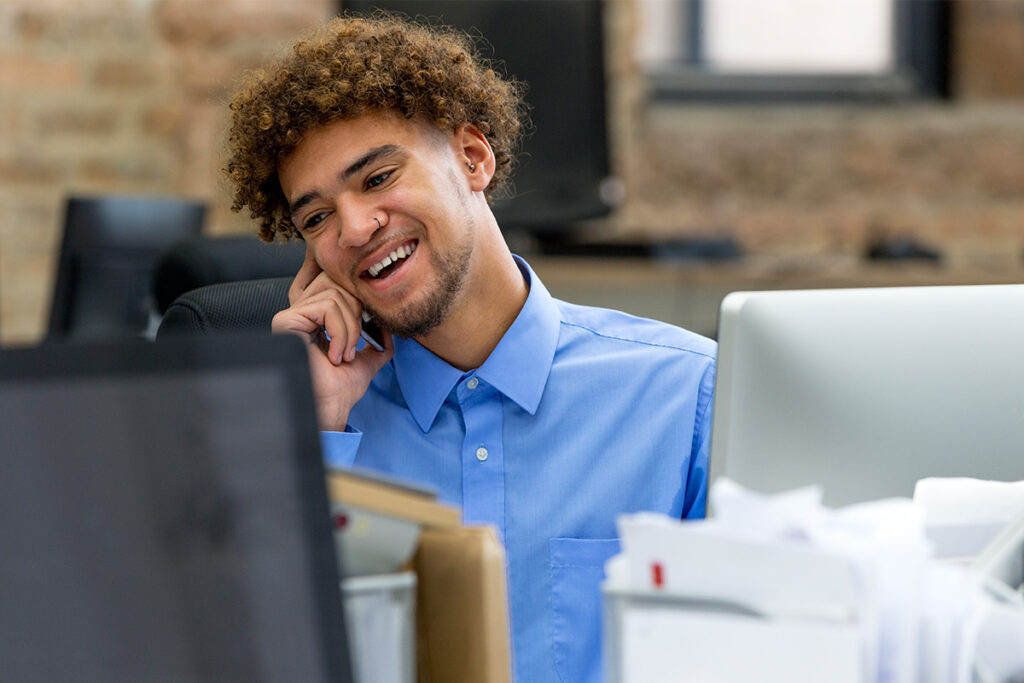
865 391
163 515
556 48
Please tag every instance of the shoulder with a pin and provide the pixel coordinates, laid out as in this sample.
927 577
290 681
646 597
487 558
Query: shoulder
602 326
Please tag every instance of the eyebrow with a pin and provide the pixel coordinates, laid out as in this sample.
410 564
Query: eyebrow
372 155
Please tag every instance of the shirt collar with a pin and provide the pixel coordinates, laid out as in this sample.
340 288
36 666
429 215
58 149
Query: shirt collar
518 366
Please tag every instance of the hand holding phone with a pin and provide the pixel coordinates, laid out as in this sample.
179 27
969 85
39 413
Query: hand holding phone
340 374
370 333
331 317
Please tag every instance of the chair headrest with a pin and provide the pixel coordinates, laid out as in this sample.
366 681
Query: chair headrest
242 306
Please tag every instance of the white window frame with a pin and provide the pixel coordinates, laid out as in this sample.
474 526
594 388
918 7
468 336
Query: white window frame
678 65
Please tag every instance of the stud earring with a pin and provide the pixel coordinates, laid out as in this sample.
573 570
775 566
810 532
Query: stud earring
472 166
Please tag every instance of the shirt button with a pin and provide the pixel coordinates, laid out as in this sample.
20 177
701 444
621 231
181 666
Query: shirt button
481 454
472 383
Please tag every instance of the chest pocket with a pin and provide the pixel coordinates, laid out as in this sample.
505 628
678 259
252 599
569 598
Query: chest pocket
576 568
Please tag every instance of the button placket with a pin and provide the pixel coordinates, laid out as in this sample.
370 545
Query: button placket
483 470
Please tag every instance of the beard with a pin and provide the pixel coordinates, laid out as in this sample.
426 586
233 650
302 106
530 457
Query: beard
423 315
420 317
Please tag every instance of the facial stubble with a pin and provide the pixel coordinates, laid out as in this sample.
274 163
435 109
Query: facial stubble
419 317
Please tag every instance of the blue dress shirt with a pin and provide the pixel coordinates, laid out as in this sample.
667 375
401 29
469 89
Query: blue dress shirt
578 415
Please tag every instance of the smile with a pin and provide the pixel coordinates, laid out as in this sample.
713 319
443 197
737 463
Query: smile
383 267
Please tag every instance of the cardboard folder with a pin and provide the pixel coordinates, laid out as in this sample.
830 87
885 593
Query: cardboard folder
462 615
462 598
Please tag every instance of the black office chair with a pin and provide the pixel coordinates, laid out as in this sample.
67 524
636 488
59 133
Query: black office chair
109 250
227 307
201 261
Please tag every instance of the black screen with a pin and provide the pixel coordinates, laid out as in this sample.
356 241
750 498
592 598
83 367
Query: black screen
556 48
163 516
108 252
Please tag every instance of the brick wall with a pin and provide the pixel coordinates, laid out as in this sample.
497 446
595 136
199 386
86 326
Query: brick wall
116 96
826 179
988 61
128 96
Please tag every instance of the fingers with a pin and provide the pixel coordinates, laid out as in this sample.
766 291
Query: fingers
311 279
329 311
308 272
342 323
321 309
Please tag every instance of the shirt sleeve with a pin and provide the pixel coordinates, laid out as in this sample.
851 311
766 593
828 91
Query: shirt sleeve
695 498
339 448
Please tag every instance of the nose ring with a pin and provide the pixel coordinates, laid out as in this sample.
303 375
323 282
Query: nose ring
378 222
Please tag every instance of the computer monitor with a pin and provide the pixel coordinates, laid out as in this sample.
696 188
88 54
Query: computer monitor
557 48
164 515
102 289
865 391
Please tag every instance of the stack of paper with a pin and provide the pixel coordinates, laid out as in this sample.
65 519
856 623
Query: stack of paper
963 515
782 588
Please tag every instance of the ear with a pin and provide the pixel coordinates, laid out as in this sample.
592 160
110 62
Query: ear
475 155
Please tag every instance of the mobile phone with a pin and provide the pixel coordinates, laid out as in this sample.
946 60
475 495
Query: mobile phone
370 333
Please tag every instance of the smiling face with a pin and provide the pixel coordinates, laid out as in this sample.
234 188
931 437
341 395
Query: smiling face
384 205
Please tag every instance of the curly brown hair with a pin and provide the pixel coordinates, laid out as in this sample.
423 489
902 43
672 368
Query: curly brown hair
353 66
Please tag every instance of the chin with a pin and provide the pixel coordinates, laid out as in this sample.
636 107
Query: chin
419 318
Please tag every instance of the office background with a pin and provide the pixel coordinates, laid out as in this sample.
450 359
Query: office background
129 97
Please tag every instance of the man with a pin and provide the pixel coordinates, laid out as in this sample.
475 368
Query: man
379 143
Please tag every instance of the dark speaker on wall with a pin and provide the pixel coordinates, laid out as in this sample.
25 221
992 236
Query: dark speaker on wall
557 48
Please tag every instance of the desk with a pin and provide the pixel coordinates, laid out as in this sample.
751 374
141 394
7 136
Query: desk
689 294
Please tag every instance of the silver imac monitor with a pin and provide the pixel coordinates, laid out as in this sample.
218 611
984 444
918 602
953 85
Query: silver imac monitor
865 391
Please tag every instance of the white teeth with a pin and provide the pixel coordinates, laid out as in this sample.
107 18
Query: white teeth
400 253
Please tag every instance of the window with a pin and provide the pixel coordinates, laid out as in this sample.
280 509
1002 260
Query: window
793 50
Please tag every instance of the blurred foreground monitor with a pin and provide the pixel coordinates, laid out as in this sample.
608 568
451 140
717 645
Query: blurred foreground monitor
164 515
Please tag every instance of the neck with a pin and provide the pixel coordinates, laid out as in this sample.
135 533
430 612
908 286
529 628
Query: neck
488 304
